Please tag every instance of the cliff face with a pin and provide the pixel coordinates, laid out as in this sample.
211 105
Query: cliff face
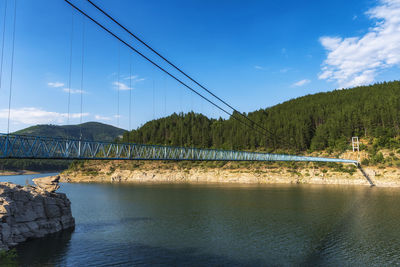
30 212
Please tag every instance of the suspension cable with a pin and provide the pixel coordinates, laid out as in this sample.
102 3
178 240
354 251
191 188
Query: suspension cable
70 65
2 44
12 67
159 67
154 97
174 66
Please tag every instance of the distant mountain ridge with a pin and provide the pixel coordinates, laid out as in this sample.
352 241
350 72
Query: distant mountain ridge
92 131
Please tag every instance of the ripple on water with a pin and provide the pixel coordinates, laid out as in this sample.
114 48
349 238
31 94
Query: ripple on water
213 225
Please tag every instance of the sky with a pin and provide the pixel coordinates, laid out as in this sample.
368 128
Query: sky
253 54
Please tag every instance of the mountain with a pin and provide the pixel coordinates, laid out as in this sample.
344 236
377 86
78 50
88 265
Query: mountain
312 122
94 131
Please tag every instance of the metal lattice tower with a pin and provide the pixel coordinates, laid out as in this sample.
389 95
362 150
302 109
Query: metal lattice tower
355 143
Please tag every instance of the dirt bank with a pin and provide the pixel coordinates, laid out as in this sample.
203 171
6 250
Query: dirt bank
219 172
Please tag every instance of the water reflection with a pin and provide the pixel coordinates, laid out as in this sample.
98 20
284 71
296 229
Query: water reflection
338 230
203 225
103 226
47 251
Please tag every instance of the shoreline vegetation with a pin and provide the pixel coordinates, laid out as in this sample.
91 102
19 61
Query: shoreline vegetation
32 166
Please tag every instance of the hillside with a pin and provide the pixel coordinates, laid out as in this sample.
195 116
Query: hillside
90 131
323 121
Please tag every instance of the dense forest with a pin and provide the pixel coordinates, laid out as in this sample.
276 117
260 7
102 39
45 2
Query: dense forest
312 122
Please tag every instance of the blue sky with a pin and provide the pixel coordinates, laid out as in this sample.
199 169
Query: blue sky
253 54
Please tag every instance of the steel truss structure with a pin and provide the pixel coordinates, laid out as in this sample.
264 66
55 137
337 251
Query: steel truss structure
37 147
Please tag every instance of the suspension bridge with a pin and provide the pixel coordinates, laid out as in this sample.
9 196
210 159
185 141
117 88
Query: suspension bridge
33 147
13 146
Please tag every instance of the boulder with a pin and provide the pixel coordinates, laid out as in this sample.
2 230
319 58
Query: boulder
48 184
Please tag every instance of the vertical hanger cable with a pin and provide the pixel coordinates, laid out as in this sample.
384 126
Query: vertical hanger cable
82 70
12 67
118 84
70 64
130 99
2 42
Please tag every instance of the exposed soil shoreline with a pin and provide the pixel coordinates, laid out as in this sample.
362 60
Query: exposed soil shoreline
112 172
20 172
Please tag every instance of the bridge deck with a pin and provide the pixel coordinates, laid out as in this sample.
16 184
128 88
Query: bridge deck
37 147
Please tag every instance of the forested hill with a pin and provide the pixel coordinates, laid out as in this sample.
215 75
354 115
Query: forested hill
319 121
90 131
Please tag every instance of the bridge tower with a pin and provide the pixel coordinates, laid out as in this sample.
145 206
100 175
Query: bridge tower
356 146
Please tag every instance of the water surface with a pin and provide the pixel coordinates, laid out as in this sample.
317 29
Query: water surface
203 225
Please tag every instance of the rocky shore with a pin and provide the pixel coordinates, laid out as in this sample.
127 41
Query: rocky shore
112 172
32 211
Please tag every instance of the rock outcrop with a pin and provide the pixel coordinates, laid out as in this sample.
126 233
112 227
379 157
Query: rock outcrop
31 212
48 184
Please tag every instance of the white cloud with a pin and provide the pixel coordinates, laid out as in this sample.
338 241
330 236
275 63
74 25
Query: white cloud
135 78
126 86
32 115
257 67
301 83
356 61
55 84
121 86
102 118
74 91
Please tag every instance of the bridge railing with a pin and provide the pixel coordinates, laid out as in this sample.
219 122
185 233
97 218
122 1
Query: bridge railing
39 147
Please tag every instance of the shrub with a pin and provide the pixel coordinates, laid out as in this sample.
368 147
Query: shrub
365 162
8 258
112 169
378 158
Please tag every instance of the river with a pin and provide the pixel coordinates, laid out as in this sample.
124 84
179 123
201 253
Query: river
214 225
